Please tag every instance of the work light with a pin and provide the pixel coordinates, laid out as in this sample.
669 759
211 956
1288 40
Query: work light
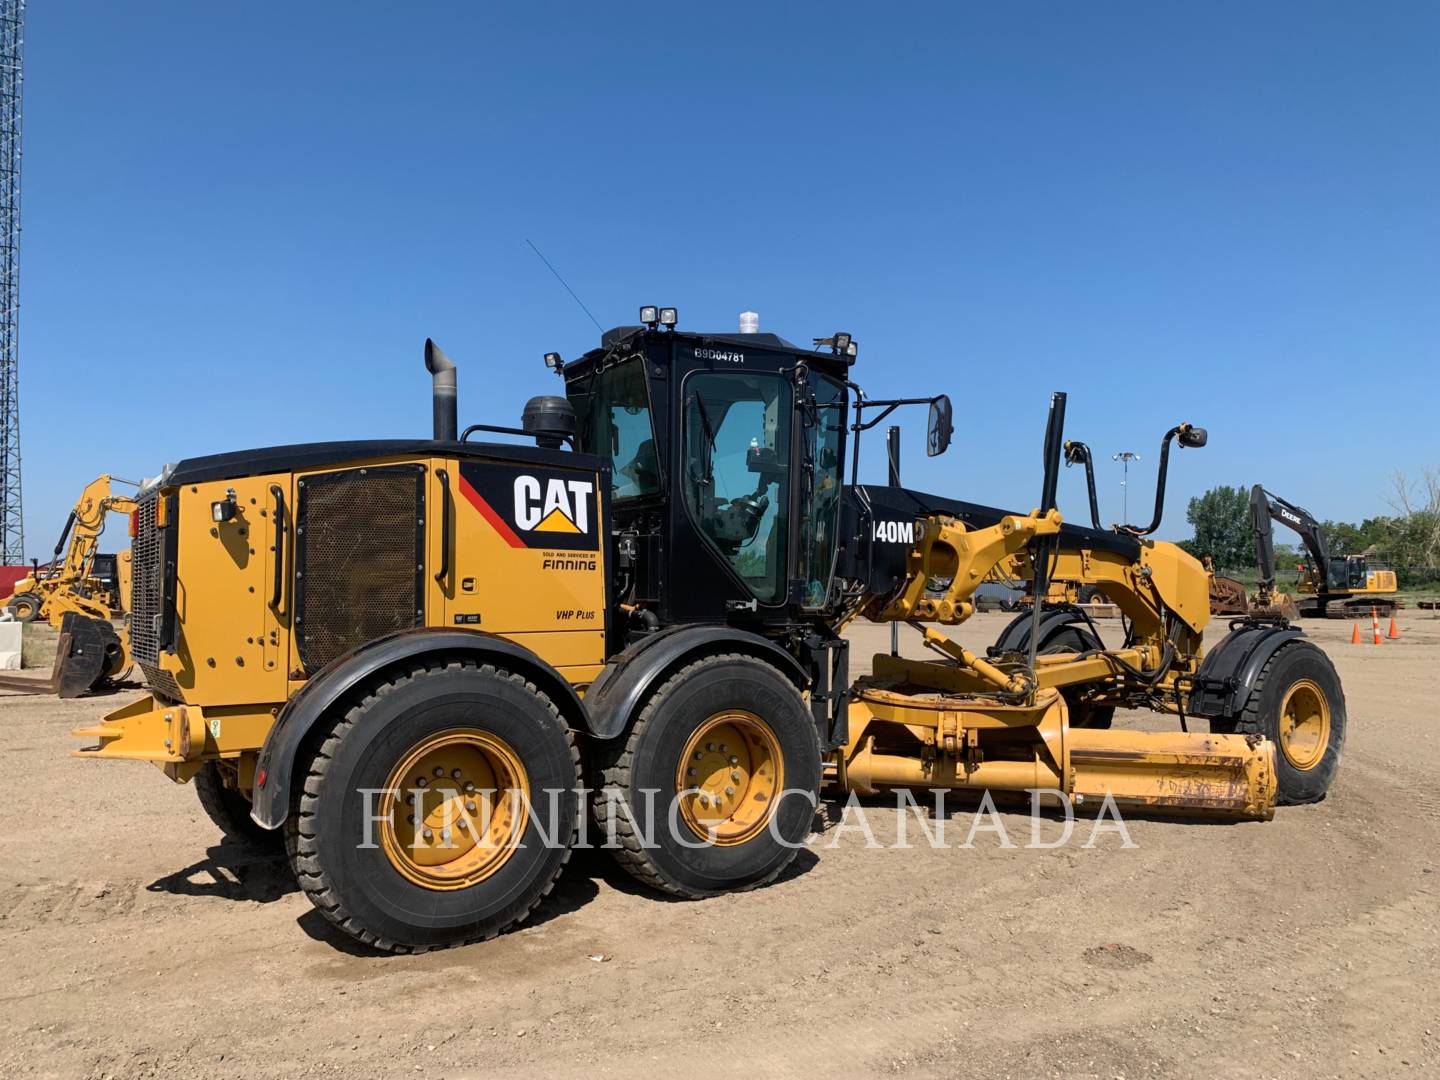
554 363
650 316
224 509
669 316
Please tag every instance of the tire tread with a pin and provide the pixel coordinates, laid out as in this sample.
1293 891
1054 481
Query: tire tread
300 834
613 771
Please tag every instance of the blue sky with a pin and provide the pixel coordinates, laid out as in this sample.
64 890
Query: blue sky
242 221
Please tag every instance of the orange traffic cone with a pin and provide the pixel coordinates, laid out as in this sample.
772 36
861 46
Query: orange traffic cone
1394 634
1355 637
1375 623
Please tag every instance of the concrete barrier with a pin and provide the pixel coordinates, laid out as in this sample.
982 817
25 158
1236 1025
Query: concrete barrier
10 636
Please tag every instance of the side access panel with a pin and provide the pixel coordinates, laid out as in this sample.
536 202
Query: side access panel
527 558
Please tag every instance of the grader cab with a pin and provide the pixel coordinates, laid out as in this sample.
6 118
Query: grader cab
413 658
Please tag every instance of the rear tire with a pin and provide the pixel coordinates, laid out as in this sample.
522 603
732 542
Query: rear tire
770 723
230 810
24 608
1297 703
355 850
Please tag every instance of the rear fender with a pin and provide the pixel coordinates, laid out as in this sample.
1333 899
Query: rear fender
620 690
274 772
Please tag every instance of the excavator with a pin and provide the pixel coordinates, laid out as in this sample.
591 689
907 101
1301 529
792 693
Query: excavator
79 596
1346 581
415 661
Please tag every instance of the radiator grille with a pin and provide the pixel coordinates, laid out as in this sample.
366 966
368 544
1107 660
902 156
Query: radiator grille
359 559
149 577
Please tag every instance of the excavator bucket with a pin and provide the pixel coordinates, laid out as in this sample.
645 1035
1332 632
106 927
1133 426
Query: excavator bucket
1280 605
88 653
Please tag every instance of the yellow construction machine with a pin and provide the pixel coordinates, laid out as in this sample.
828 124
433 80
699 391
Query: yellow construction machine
79 594
416 658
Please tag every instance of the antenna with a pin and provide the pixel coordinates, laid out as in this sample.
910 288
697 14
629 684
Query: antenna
567 287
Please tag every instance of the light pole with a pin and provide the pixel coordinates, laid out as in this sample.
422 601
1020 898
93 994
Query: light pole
1125 456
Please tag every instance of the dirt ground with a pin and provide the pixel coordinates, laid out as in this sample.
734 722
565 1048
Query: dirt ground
135 943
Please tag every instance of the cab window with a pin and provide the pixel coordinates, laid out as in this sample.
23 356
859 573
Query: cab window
820 501
612 413
736 479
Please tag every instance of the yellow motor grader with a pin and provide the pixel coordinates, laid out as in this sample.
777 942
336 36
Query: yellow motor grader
414 659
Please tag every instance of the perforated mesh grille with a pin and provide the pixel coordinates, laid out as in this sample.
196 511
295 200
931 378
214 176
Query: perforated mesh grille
147 597
359 559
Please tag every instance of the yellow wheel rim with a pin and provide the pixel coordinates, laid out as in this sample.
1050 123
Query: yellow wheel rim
729 777
1304 725
453 810
24 609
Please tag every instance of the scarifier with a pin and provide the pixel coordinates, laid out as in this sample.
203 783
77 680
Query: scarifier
406 655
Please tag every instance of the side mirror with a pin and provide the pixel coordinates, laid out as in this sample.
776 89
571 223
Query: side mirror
1193 437
937 436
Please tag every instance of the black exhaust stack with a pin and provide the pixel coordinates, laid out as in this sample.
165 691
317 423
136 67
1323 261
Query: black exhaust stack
442 392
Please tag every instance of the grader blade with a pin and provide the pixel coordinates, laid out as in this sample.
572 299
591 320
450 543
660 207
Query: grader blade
1175 773
902 738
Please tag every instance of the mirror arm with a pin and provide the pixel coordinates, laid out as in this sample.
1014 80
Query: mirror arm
890 404
1135 530
1078 453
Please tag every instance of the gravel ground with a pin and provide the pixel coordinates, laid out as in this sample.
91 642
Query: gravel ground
135 943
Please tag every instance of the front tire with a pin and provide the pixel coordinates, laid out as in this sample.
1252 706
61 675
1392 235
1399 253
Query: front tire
439 810
1076 638
721 774
1297 703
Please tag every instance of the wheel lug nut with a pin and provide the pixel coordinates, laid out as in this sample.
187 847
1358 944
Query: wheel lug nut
410 800
734 760
734 777
469 787
464 824
705 800
689 772
445 835
723 748
710 746
411 819
470 806
420 781
455 774
427 834
729 791
697 755
439 770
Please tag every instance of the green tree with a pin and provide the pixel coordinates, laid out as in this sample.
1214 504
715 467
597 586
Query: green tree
1221 520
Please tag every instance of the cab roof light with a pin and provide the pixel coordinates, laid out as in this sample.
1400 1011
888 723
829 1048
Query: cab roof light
669 316
650 316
